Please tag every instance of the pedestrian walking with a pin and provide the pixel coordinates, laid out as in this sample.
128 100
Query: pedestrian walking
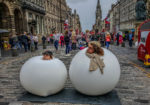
117 38
73 40
51 38
29 42
35 38
15 42
20 40
102 39
32 42
83 37
124 37
10 41
87 37
25 41
130 39
67 41
79 39
108 39
43 40
62 40
56 40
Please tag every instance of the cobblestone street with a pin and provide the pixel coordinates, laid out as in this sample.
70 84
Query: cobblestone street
133 87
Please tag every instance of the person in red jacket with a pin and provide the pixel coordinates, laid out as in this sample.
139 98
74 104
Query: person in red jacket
108 38
62 40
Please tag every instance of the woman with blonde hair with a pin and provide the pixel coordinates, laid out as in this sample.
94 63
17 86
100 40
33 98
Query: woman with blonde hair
95 52
74 40
108 38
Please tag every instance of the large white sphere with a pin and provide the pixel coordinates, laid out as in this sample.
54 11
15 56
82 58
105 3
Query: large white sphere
94 83
43 77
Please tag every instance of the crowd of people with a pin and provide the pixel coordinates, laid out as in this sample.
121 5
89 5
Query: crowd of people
71 40
26 41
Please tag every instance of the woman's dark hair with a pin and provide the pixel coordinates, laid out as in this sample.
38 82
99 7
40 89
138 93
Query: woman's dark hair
98 50
66 33
48 53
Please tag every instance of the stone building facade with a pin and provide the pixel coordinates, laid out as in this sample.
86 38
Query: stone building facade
148 9
114 18
52 17
11 16
18 16
123 16
33 12
57 12
110 17
35 16
127 15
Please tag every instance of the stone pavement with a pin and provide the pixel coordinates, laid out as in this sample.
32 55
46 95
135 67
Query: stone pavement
133 87
10 88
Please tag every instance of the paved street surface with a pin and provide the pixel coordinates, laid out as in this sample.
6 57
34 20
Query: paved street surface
133 88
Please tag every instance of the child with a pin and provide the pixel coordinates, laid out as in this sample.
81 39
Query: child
47 55
82 45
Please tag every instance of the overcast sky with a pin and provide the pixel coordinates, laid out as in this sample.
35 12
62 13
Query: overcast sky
86 10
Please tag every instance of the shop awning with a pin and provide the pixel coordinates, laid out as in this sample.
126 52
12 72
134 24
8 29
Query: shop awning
3 31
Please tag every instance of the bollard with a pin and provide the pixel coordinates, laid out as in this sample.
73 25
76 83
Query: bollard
147 60
123 44
44 46
14 52
32 49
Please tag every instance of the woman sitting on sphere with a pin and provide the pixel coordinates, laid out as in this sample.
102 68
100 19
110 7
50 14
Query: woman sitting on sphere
94 52
47 55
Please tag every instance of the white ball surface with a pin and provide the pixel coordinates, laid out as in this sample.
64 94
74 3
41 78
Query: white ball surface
94 83
43 77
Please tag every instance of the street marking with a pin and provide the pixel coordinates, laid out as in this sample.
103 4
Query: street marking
140 68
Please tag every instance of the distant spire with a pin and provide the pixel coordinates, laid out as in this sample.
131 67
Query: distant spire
75 11
98 3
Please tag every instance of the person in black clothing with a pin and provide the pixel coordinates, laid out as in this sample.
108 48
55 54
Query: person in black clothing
25 41
67 41
11 41
43 40
1 44
102 39
94 38
29 42
20 40
117 36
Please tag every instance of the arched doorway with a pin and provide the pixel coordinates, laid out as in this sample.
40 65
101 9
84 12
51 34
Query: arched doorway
5 18
32 30
18 21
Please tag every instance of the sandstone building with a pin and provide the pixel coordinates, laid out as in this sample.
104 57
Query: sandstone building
36 16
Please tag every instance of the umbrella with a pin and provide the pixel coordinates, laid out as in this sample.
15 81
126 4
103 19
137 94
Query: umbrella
3 31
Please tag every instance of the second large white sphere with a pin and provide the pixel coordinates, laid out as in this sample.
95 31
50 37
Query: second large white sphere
94 83
43 77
